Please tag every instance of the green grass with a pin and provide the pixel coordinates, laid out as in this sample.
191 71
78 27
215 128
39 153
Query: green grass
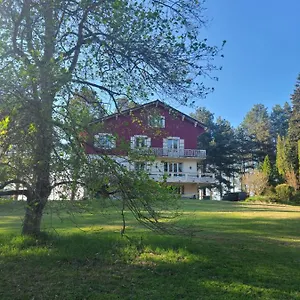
239 251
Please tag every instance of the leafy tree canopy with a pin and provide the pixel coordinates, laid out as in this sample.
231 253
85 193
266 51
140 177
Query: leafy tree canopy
50 50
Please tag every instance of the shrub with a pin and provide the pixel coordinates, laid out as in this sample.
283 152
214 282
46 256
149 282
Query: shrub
284 192
296 198
260 198
270 192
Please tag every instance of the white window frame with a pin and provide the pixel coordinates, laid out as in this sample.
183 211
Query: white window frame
105 141
171 142
173 167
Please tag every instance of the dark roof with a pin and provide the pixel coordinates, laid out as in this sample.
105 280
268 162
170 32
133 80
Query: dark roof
153 103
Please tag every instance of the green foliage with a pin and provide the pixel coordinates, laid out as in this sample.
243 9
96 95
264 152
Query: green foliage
256 126
281 156
222 154
267 168
294 129
207 118
279 119
220 145
61 60
261 199
296 198
270 191
284 192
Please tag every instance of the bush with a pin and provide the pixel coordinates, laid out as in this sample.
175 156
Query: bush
284 192
261 199
296 198
270 192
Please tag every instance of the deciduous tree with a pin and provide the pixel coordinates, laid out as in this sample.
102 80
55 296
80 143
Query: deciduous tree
50 50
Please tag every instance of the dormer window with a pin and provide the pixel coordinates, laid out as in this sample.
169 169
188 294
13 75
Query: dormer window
157 121
105 141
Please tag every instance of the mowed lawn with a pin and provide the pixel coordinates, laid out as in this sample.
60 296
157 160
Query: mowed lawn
237 251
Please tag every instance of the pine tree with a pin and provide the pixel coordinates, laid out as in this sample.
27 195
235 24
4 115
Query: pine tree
223 154
279 120
257 126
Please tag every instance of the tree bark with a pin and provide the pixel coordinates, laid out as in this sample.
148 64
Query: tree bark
44 131
33 217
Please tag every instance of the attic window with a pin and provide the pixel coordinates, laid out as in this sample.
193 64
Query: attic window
105 141
157 121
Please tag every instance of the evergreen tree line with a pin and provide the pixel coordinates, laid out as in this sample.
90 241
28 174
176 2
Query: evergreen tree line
263 150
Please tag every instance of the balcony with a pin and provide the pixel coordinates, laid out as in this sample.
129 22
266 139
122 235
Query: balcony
204 178
176 153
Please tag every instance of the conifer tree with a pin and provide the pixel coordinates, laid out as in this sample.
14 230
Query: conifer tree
294 130
257 127
267 168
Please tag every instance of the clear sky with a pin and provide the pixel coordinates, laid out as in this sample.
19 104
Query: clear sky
262 54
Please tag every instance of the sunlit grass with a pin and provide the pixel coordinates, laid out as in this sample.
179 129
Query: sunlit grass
237 251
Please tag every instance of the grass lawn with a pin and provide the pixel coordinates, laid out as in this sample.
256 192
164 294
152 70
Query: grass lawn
239 251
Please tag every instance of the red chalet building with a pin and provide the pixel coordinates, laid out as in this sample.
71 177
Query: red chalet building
161 131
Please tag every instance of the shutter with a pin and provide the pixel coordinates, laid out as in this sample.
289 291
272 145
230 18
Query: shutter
113 142
165 147
148 142
132 140
181 147
163 122
165 143
181 144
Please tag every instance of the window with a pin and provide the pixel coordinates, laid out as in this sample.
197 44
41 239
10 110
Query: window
140 141
173 147
105 141
173 144
156 121
171 167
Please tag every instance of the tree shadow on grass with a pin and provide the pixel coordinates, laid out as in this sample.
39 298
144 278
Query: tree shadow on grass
103 265
229 206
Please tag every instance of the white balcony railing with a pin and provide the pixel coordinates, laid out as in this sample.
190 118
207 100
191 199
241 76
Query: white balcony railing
184 177
166 152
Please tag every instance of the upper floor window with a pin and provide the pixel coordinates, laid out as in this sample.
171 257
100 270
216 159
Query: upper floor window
173 143
105 141
140 141
157 121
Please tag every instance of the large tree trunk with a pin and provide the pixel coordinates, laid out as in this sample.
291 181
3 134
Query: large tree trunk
44 132
33 217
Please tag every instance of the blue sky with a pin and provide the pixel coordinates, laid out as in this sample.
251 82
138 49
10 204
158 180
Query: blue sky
262 54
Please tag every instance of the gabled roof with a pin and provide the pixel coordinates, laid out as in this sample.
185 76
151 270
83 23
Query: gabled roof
155 103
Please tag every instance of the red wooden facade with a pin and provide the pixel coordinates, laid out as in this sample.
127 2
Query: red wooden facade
135 121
